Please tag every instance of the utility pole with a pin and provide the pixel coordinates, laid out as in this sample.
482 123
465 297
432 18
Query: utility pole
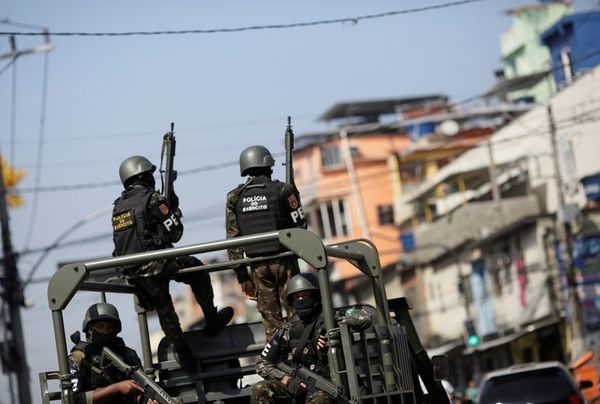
360 209
15 53
13 297
563 230
12 288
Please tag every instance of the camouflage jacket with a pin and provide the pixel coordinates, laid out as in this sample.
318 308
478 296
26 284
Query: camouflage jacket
289 198
314 360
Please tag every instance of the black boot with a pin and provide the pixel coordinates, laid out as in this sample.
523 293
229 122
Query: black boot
217 320
184 355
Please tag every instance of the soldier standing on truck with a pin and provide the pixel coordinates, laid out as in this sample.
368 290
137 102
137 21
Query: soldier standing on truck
143 220
299 342
101 325
257 206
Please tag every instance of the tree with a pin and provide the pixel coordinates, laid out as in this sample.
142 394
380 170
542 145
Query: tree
12 177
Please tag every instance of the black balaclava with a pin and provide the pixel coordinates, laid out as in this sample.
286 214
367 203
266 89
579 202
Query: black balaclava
144 178
102 340
307 308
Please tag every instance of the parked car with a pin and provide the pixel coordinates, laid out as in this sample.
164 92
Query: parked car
543 382
583 369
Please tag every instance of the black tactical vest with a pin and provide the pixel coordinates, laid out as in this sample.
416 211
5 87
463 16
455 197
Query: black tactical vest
133 230
310 357
91 376
258 210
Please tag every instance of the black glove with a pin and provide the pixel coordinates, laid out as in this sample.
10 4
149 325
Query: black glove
295 387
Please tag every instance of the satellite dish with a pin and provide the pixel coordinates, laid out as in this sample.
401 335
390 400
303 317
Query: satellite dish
449 127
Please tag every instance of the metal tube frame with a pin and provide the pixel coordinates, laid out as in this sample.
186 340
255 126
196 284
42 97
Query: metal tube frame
301 243
71 277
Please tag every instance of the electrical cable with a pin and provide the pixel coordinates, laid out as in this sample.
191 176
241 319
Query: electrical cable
13 114
559 66
40 151
6 66
351 20
142 133
7 21
76 187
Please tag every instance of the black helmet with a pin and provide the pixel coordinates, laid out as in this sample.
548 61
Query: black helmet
101 311
255 157
134 166
300 282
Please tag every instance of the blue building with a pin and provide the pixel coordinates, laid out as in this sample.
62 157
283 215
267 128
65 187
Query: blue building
574 43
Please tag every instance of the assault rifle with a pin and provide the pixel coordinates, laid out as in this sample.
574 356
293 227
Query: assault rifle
289 150
168 175
312 380
151 389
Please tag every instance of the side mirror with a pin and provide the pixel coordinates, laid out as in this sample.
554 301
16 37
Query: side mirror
441 367
585 384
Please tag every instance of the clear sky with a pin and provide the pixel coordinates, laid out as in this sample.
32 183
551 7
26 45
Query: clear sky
112 97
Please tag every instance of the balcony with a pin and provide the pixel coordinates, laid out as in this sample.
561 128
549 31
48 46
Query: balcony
471 222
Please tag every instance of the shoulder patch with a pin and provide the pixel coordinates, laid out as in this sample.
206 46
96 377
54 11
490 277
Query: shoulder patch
164 209
293 201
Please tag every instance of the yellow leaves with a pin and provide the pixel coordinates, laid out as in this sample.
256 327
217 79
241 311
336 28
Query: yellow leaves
12 177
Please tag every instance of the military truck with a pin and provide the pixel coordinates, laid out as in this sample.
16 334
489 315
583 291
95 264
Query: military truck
381 362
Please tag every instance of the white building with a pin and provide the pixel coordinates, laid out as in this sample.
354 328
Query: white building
494 262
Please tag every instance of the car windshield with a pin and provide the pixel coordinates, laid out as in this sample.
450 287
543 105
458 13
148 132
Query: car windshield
537 386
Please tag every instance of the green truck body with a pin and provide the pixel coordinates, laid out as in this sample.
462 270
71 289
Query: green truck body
379 364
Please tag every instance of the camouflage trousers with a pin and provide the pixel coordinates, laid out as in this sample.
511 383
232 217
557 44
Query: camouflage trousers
273 391
270 279
153 292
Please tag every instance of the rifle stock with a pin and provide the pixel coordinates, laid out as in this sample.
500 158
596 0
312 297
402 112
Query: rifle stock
289 151
313 381
170 175
151 389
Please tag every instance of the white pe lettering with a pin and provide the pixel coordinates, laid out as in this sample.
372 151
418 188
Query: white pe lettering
297 214
171 221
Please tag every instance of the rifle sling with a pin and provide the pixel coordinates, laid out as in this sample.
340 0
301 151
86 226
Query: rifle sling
302 342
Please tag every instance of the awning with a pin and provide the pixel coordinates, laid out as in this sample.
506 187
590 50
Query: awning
444 349
484 346
517 83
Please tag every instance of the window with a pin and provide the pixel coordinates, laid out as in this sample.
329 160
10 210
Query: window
330 156
330 219
385 213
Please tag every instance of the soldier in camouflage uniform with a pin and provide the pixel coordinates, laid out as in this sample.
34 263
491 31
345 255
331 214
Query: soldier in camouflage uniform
143 220
257 206
101 325
298 342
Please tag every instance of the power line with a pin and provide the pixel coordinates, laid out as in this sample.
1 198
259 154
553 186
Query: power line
194 216
212 167
559 66
40 151
77 187
351 20
7 21
153 156
13 114
141 133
